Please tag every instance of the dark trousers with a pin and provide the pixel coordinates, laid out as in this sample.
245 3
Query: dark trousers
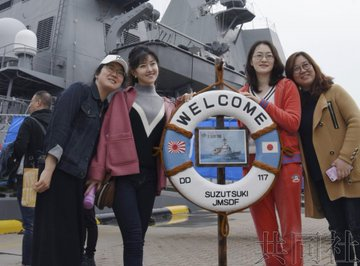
27 216
90 232
58 222
343 216
134 200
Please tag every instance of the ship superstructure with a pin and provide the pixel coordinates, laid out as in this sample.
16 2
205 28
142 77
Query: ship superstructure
73 35
49 44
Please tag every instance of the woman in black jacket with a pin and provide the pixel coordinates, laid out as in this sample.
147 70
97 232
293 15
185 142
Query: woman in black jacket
69 144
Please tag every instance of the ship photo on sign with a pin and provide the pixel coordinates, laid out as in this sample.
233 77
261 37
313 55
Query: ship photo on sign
221 147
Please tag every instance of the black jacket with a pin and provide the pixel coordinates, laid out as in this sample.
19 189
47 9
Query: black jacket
74 128
30 138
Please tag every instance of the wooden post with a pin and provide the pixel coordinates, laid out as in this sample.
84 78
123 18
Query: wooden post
222 240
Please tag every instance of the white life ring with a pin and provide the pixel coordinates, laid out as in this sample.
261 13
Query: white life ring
176 146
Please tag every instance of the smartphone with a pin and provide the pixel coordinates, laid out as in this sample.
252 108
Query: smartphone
331 173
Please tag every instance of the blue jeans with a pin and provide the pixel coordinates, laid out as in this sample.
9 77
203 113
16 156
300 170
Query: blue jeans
133 203
343 216
27 215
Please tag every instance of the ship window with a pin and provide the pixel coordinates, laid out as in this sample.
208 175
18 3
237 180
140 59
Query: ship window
44 32
4 4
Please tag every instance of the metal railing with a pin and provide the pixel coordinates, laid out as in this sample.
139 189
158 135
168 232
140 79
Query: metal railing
158 31
44 61
13 105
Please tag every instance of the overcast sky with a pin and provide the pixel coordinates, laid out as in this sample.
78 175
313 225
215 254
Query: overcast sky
328 30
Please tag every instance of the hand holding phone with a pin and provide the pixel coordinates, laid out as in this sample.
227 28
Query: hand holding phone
331 173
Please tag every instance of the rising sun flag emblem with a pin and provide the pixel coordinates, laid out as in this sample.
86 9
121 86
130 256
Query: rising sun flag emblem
176 146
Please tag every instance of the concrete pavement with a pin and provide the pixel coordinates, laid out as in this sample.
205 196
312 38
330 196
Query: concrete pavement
191 239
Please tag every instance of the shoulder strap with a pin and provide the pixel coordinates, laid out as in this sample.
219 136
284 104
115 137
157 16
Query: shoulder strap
40 125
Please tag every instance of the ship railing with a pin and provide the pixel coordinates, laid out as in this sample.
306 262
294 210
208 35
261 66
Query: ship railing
44 61
161 32
12 105
260 23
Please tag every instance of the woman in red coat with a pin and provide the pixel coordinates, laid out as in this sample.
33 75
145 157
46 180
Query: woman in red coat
279 97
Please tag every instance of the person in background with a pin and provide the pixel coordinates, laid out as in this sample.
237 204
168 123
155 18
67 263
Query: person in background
70 142
131 130
279 97
28 147
329 134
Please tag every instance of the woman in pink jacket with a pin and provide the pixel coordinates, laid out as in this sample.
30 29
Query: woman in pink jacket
131 129
279 97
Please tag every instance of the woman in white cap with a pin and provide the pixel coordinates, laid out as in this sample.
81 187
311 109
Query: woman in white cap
132 128
69 145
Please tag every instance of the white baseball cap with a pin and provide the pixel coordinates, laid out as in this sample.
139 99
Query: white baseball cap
115 58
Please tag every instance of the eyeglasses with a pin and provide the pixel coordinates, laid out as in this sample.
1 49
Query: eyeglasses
259 57
306 66
116 70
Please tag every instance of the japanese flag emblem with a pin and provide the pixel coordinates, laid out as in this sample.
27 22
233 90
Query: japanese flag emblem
176 147
270 147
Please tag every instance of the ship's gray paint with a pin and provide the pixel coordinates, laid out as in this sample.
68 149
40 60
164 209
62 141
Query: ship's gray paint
186 39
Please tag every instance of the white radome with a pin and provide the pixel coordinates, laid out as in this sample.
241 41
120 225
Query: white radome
9 27
25 42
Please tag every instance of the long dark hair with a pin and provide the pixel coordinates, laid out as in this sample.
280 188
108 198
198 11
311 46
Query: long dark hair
321 82
136 56
277 72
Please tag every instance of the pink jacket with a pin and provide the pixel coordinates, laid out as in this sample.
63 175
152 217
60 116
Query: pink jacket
286 113
116 151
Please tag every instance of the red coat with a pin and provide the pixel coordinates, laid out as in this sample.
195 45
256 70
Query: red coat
116 151
286 113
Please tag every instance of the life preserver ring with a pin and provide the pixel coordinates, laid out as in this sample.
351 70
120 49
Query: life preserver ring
176 144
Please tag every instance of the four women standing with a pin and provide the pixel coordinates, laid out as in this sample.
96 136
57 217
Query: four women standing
329 131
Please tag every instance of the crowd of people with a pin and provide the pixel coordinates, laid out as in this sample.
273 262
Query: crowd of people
112 124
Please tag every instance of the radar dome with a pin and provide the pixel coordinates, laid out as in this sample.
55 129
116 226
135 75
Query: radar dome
9 27
25 43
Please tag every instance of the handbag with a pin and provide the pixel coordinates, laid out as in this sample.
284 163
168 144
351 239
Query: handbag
104 196
30 176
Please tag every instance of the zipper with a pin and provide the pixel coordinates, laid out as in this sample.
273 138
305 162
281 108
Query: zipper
332 114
